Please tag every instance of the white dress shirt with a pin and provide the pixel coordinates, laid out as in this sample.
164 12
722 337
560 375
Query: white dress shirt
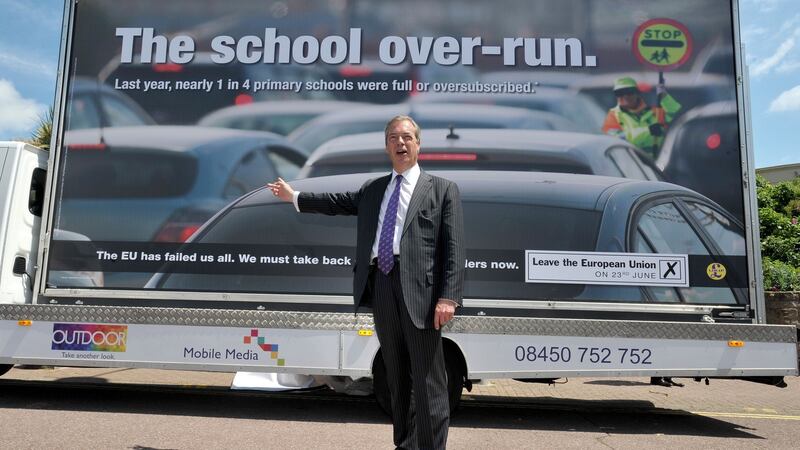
410 178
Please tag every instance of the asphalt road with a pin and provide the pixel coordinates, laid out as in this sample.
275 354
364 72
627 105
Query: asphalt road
82 412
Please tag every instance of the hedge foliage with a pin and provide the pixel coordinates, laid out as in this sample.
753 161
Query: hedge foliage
779 214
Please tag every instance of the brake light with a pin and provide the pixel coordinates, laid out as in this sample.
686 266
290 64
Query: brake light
355 71
167 67
448 156
94 147
713 141
644 87
243 99
176 232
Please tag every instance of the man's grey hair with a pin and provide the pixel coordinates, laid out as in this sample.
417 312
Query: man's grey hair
401 118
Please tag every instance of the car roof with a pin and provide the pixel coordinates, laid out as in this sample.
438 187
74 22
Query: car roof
524 141
174 138
279 108
588 192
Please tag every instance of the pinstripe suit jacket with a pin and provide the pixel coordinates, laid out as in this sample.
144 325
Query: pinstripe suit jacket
432 254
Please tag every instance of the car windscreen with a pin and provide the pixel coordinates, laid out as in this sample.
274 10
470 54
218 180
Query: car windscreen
285 243
126 173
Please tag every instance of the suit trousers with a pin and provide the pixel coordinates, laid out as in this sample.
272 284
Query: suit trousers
415 368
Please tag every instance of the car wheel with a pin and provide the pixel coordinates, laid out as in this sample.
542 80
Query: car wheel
5 368
455 382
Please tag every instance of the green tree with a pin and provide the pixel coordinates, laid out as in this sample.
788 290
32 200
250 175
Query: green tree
778 211
44 131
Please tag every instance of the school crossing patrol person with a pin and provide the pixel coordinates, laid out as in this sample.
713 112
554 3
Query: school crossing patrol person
635 121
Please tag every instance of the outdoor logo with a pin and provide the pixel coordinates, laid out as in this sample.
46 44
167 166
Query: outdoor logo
89 337
716 271
272 349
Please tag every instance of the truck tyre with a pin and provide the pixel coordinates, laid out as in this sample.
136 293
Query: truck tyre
5 368
455 381
455 375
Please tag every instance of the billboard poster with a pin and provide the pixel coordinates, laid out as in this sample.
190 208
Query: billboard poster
596 144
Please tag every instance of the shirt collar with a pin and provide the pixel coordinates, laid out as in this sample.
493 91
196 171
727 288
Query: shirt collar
411 175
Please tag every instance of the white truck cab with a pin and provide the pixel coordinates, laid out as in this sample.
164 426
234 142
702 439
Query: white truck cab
23 169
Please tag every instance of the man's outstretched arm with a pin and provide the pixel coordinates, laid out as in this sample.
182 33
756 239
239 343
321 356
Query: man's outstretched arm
332 204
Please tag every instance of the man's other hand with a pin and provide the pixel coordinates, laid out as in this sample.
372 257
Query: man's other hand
281 189
445 309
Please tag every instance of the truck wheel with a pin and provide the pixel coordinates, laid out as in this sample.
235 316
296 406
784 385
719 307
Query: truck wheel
455 376
5 368
455 382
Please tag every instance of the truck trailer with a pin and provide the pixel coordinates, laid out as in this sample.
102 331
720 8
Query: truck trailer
138 244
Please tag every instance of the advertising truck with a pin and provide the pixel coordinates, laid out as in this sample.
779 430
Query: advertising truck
606 177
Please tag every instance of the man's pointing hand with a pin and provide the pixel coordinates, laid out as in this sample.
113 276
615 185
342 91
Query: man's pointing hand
281 189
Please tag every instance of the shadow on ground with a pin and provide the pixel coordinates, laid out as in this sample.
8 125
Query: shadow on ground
488 412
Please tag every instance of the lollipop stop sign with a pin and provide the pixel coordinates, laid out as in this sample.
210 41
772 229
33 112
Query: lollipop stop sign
662 44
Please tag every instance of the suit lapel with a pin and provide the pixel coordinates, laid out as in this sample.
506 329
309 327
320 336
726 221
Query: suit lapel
420 193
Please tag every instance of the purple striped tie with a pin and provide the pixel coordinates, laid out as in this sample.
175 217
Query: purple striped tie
385 244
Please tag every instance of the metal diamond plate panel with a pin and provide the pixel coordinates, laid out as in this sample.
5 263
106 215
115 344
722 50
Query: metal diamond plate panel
340 321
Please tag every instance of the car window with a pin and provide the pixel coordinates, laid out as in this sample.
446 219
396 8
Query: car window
649 170
286 168
313 137
624 161
249 174
663 229
667 231
82 113
121 173
726 234
658 293
119 114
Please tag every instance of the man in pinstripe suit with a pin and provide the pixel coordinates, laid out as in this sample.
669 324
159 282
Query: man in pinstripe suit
410 264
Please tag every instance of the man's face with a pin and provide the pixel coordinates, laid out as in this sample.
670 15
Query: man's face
402 146
630 100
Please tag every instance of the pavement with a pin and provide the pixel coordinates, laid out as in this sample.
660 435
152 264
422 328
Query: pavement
720 398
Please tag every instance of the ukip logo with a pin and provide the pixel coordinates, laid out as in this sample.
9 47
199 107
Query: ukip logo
261 342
